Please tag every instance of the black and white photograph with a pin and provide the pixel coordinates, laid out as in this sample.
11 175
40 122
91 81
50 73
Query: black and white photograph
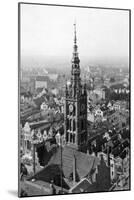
74 99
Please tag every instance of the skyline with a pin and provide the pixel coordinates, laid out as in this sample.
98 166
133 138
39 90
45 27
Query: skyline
47 35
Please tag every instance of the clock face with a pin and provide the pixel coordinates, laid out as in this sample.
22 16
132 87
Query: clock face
82 107
71 107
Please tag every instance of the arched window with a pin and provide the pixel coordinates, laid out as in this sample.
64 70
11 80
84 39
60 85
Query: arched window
82 124
74 126
71 137
67 137
28 145
67 124
70 121
74 111
85 137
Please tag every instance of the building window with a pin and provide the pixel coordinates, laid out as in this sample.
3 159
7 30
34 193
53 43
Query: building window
71 137
70 113
82 138
28 145
74 111
85 137
67 137
82 124
70 124
67 124
74 127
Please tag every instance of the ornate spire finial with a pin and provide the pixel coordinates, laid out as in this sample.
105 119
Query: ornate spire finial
75 41
75 38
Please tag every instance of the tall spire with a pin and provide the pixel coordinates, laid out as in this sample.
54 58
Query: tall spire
75 38
75 72
76 106
75 53
75 59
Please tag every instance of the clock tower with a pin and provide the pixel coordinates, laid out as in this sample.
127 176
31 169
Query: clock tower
75 116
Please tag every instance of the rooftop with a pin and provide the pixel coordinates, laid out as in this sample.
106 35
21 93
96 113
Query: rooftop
84 162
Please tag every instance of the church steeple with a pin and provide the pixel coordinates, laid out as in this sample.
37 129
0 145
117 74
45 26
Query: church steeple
75 59
75 73
75 38
75 115
75 41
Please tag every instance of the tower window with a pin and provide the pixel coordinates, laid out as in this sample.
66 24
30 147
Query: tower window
70 124
74 126
28 145
74 111
71 137
82 138
70 112
85 137
82 124
67 137
67 124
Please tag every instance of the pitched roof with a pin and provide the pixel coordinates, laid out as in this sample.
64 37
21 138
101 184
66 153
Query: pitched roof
44 124
84 162
49 173
117 86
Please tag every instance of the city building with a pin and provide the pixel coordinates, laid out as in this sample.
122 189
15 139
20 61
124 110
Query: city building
41 82
78 154
75 105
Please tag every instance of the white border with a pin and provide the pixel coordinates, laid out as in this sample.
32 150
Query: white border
9 102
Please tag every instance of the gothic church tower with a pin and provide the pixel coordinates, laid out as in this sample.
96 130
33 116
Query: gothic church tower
75 116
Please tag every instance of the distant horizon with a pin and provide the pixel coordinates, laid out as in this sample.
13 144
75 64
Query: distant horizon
47 35
57 62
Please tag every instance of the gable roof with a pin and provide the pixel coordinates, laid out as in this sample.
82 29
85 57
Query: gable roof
84 162
49 173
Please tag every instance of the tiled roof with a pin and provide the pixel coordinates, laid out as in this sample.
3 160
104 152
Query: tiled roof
49 173
84 162
38 187
41 124
117 86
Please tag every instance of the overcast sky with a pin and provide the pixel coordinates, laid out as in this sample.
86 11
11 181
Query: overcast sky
48 31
